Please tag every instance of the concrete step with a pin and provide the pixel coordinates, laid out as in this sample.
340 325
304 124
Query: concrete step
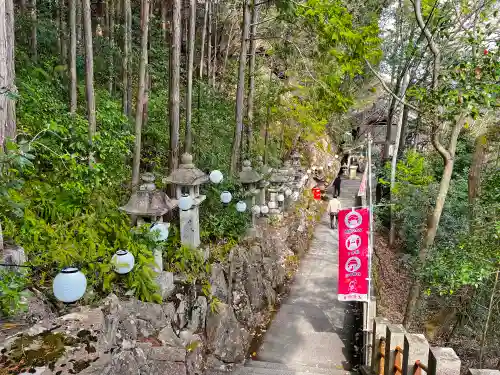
262 368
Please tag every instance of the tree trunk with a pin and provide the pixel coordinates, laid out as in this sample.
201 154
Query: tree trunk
175 57
236 147
129 60
189 96
268 116
203 37
475 175
72 57
404 127
111 35
140 94
226 53
7 74
251 76
164 22
209 44
126 57
58 28
89 68
64 32
79 24
392 230
433 219
214 68
34 40
488 317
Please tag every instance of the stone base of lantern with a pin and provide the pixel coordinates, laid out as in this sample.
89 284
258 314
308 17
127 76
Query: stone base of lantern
190 227
158 255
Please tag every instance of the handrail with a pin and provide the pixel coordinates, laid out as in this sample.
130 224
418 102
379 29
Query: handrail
419 366
398 361
381 347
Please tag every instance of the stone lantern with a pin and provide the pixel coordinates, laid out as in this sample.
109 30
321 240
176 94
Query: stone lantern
187 180
148 205
295 159
277 181
265 172
250 179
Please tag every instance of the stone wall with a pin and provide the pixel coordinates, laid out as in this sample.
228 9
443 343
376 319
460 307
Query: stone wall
184 335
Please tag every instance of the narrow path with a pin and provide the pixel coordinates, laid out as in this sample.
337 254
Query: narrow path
312 328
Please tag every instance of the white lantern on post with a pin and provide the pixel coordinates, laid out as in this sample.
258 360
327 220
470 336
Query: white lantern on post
185 202
241 206
288 192
264 210
281 198
69 285
216 177
226 197
256 210
162 229
123 262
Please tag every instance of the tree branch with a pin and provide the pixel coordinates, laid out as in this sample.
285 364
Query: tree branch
388 90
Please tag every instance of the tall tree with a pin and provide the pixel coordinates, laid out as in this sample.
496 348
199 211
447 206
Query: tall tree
251 74
126 62
89 68
238 131
63 27
209 46
189 96
174 95
72 57
203 37
7 73
141 93
34 28
214 68
111 36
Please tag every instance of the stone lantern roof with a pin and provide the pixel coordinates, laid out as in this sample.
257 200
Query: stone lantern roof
147 201
248 175
187 174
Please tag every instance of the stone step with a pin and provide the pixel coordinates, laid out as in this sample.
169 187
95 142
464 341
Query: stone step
261 368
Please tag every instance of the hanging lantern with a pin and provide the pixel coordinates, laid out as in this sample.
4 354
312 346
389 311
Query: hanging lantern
241 206
69 285
264 210
336 156
281 197
256 210
288 192
225 197
308 171
216 177
123 262
161 229
185 202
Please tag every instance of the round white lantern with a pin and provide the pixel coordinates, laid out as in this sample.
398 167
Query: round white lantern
280 198
241 206
308 171
69 285
336 156
295 196
123 262
185 202
225 197
272 205
161 229
264 210
216 177
288 192
256 210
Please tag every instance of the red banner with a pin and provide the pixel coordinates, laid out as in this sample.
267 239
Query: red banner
316 193
353 255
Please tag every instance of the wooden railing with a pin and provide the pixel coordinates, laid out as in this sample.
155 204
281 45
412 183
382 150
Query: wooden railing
396 352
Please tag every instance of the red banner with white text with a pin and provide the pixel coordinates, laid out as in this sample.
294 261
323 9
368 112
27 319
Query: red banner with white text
353 254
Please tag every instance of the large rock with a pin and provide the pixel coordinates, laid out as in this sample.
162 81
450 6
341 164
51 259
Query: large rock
165 281
227 340
218 283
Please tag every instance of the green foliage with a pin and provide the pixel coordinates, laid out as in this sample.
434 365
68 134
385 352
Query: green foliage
12 294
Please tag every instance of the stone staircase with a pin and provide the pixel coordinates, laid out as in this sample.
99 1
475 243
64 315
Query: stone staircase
254 367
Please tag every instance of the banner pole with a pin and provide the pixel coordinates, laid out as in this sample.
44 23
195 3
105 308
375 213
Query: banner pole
370 244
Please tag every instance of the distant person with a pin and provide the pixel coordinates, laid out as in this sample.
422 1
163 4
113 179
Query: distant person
336 186
333 209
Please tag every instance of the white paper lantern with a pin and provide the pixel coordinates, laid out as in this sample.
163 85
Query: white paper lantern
264 210
288 192
281 198
123 262
241 206
272 205
69 285
161 229
185 202
225 197
336 156
308 171
256 210
216 177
